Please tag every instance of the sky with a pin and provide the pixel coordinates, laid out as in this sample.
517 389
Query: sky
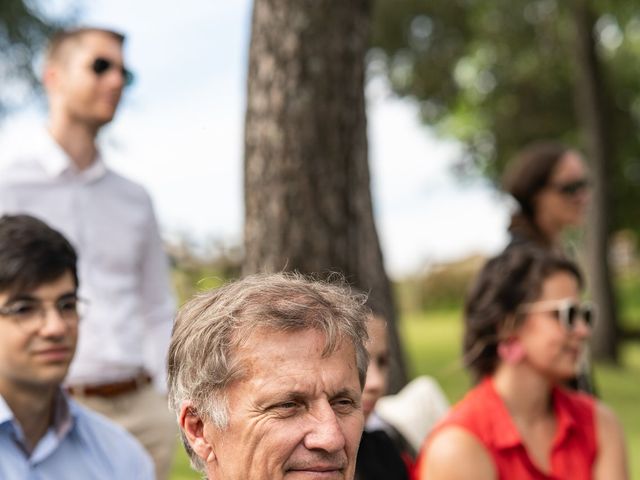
179 132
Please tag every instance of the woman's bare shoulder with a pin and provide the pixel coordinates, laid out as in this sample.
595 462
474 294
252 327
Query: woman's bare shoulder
455 453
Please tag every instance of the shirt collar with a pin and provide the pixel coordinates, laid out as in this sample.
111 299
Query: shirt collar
504 432
6 415
565 420
64 413
56 163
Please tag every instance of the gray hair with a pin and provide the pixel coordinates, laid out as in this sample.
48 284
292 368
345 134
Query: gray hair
212 325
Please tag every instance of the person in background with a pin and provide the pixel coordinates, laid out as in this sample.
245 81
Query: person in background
525 329
266 377
550 184
378 456
43 433
59 176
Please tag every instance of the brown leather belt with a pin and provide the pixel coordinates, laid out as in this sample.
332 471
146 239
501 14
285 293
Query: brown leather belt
110 389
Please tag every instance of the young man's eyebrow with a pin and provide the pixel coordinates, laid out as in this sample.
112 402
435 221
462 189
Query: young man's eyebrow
27 296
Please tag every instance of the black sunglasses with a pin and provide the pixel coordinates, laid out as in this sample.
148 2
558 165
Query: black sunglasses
570 189
101 65
566 312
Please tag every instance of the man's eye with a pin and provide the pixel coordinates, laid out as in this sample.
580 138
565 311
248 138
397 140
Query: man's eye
67 306
287 405
344 404
23 309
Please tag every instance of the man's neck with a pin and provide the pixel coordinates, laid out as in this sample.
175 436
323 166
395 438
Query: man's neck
33 409
76 139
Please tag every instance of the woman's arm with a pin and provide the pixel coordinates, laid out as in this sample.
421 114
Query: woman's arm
611 463
455 454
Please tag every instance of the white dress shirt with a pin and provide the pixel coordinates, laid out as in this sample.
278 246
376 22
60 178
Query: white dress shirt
122 268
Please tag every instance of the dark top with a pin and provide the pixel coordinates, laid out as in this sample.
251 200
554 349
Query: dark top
379 458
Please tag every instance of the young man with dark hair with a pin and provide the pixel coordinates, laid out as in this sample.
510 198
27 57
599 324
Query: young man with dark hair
43 433
59 176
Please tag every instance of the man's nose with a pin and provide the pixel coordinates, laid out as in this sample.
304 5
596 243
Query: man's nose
326 432
53 325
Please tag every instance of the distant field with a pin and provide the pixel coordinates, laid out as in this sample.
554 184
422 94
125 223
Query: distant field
432 341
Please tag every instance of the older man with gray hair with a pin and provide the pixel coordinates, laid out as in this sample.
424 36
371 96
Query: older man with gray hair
266 377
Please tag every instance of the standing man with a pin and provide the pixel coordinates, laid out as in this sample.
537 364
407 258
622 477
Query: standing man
43 434
60 177
266 378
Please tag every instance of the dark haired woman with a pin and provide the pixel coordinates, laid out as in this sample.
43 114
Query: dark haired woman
550 184
525 329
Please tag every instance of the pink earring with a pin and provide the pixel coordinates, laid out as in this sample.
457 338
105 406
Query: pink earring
511 351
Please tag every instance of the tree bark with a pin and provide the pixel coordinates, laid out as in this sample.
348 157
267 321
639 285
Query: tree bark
596 127
307 189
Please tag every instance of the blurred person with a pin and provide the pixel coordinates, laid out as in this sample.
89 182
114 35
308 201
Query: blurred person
43 433
379 458
525 329
58 175
266 378
550 184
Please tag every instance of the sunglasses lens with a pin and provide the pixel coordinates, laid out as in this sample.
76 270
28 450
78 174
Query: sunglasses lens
568 315
128 76
587 315
100 66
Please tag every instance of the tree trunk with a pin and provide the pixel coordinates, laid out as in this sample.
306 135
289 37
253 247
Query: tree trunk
596 127
307 195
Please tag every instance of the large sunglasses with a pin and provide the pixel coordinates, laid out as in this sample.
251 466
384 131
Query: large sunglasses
566 311
572 188
101 65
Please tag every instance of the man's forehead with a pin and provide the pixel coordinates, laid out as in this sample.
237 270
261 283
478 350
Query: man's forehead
64 283
297 362
88 43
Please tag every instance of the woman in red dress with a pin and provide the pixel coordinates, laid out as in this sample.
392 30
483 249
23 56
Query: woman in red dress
525 329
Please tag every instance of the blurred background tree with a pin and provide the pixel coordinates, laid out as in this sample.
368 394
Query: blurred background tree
497 75
24 29
307 186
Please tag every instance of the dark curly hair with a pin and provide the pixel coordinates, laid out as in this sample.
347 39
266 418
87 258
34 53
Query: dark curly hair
526 175
505 282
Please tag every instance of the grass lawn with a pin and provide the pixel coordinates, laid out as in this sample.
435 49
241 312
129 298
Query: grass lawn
432 341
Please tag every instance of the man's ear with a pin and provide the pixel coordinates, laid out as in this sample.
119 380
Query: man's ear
193 426
50 75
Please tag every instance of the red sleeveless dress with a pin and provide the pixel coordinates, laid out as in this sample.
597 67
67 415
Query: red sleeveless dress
573 453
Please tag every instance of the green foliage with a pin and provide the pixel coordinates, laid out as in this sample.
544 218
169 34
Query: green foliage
627 286
497 75
442 287
196 271
24 29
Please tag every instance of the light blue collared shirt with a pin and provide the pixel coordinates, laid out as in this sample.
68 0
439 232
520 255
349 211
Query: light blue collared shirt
79 445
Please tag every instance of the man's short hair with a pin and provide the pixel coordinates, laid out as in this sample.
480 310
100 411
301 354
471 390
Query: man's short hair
32 254
62 39
210 327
